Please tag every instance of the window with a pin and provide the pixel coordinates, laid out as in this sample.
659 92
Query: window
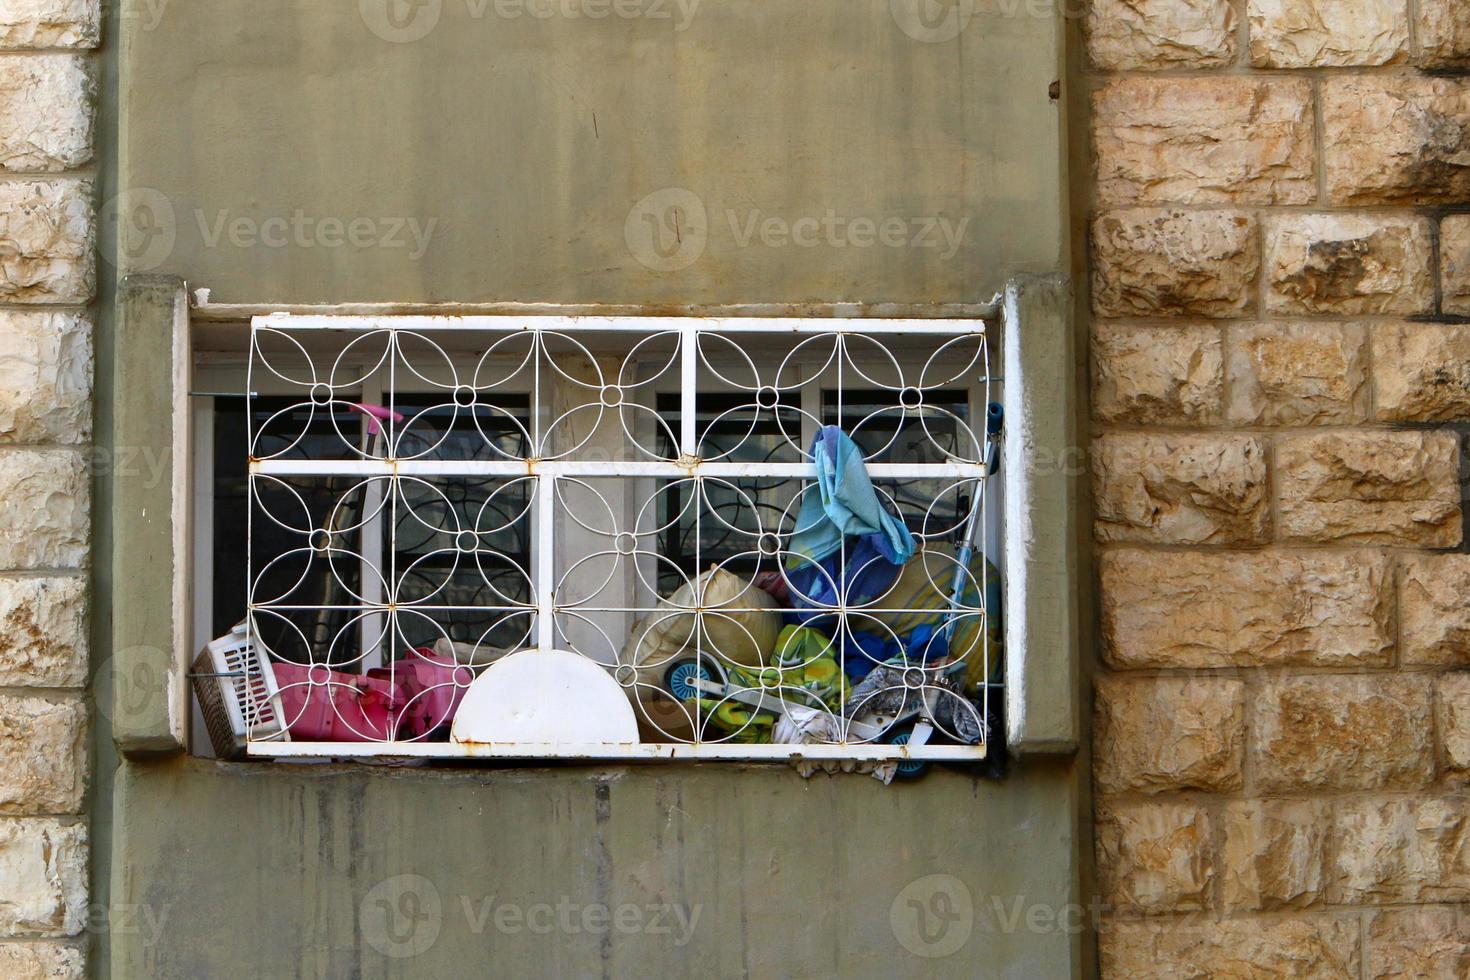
401 506
358 514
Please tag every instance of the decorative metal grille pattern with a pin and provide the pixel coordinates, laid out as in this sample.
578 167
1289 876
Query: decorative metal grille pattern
639 491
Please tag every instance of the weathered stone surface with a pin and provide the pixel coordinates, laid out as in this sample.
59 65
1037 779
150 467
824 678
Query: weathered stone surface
45 377
50 23
1274 854
1183 489
1348 264
1140 35
1396 139
43 632
1433 612
1358 732
42 755
45 502
46 238
1444 33
46 107
1155 857
1419 944
1453 707
1149 262
1221 140
1317 33
1317 947
1400 850
1157 734
43 864
1157 375
1370 488
1297 374
41 961
1454 255
1421 372
1202 610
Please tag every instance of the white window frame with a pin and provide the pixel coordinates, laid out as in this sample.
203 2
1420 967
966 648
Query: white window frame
159 331
225 374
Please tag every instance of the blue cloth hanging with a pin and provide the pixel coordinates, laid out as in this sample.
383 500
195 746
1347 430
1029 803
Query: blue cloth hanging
847 548
846 505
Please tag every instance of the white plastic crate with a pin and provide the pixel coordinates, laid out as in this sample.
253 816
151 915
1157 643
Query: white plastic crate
237 694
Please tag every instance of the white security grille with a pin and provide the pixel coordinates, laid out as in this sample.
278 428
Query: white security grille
429 495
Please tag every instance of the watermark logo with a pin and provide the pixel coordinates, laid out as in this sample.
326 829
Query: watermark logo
933 916
302 230
131 683
670 229
680 13
401 21
137 230
932 21
667 230
145 923
401 917
833 230
670 921
146 15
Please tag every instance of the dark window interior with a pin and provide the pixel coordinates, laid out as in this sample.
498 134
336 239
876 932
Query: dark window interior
426 514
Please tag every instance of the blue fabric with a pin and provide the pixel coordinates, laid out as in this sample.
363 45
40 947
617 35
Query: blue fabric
848 548
846 505
865 577
869 650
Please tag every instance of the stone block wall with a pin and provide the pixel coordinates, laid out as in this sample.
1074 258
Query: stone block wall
1280 249
48 96
1280 286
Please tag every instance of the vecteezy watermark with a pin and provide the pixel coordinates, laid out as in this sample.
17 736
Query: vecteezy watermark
933 916
670 229
403 916
568 918
131 683
833 230
145 15
403 21
679 13
936 21
667 230
302 230
137 230
142 921
932 21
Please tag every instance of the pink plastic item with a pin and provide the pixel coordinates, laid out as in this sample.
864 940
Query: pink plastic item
321 705
426 696
774 584
376 416
410 700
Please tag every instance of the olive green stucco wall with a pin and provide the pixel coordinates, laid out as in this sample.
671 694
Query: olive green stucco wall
260 872
568 159
521 147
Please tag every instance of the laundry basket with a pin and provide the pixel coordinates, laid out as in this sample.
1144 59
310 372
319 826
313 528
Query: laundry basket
237 694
